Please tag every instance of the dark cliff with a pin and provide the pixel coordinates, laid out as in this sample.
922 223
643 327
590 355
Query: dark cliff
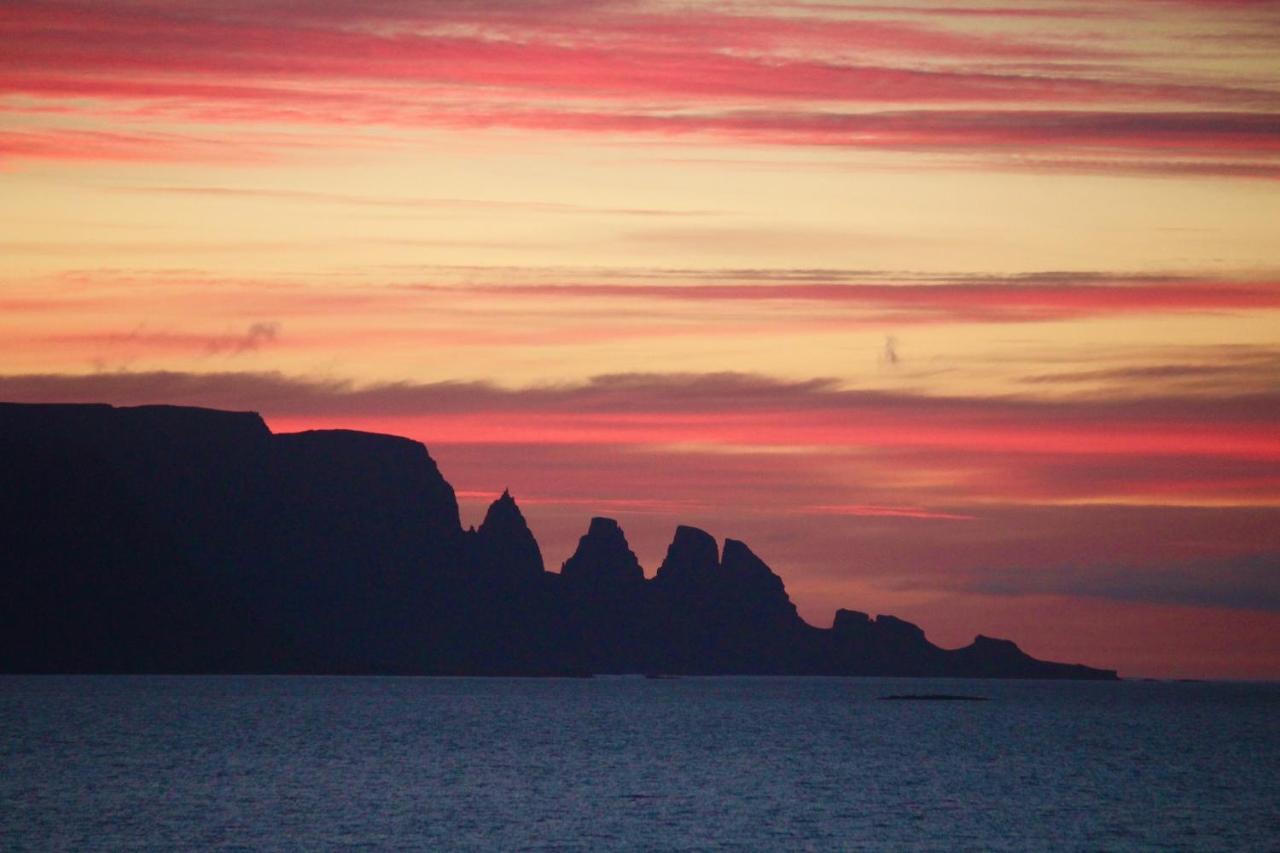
503 549
164 538
170 539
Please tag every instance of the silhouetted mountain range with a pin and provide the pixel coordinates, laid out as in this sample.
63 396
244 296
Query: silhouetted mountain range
173 539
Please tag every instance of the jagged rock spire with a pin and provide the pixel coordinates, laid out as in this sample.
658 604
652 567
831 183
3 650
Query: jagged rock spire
692 555
740 562
603 559
503 546
503 514
754 585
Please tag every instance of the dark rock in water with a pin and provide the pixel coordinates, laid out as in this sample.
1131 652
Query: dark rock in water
172 539
932 697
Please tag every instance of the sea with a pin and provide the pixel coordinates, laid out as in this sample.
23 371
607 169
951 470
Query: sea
751 763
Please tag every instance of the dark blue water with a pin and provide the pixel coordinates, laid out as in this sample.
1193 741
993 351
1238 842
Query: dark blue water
309 763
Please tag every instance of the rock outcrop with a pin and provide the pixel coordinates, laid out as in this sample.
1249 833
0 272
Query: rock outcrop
170 539
162 538
503 549
754 588
608 599
603 562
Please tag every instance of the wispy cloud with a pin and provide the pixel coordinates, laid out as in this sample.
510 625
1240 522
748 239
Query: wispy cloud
1029 298
722 408
143 338
808 75
875 511
136 146
427 204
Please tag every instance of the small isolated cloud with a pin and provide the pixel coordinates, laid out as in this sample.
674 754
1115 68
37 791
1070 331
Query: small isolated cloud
143 339
255 337
889 355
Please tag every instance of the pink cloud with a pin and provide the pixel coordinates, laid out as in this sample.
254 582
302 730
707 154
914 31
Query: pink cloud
873 511
459 65
147 147
814 299
717 409
985 132
993 300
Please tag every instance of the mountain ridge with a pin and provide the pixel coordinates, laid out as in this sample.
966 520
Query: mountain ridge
181 539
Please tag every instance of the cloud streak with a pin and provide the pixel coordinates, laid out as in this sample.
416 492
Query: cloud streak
1014 299
142 338
723 408
802 76
425 204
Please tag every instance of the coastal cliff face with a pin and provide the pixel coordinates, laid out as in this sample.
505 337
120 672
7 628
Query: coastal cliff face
171 539
163 538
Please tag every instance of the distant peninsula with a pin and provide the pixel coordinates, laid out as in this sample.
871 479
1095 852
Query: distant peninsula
166 539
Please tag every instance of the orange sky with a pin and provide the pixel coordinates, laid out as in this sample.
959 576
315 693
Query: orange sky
969 312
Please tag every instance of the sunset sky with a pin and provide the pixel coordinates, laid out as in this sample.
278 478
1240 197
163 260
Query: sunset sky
965 312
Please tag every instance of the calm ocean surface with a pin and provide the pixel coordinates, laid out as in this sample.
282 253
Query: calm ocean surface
310 763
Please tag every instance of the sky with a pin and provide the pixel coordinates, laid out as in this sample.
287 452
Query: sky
964 312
